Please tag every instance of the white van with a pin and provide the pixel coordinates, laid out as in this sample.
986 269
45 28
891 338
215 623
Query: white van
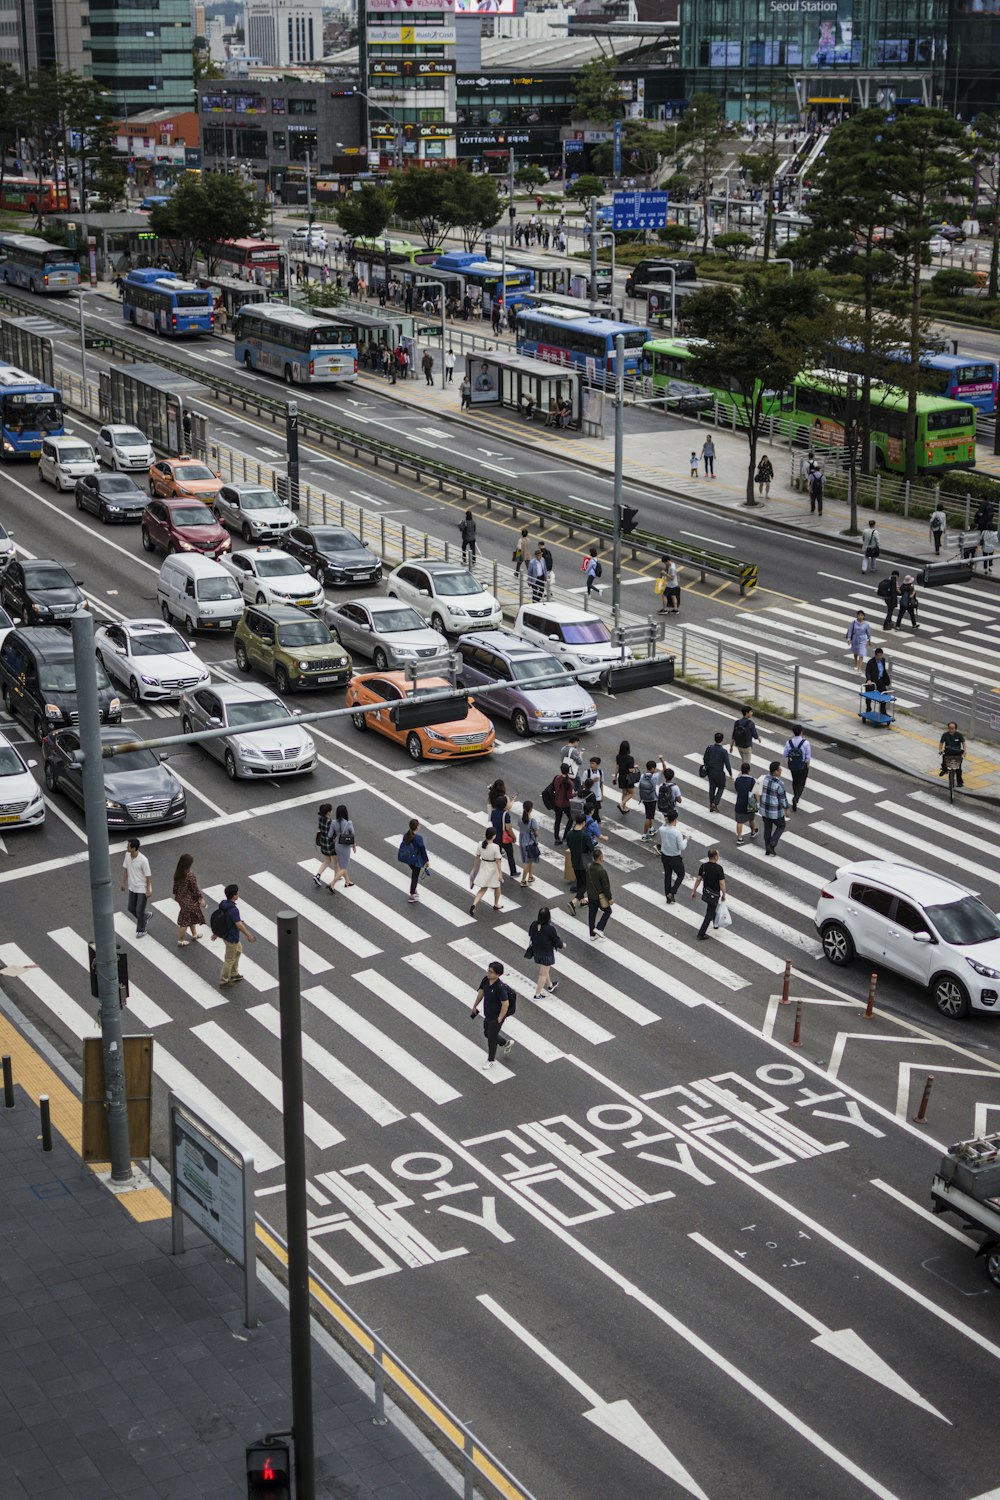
64 460
199 593
309 239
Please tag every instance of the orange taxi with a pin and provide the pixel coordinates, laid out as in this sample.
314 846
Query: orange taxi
187 478
474 735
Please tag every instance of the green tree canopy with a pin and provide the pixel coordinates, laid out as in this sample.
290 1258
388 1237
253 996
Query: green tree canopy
202 211
365 215
642 150
700 143
588 185
446 198
598 94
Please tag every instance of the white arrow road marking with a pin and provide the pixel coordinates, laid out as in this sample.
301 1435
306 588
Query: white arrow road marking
269 452
3 847
371 499
619 1419
842 1343
437 432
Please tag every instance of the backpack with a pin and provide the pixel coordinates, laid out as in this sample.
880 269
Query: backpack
884 588
743 734
796 756
938 520
646 792
547 559
219 922
597 570
548 795
666 797
511 1002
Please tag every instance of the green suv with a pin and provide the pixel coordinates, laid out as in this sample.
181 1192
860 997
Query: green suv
294 648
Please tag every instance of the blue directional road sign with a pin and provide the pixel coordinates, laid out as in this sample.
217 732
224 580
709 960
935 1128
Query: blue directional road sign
639 210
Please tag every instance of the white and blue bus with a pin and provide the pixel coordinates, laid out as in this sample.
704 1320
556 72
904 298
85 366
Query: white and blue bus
568 337
957 377
486 276
29 412
157 299
28 261
302 347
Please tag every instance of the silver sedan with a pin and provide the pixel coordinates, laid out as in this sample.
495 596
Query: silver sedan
392 634
281 748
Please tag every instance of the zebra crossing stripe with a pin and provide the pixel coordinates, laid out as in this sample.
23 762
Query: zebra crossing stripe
187 980
263 927
590 983
464 994
383 1046
337 1074
913 815
318 915
458 1043
266 1081
976 819
685 913
370 864
365 901
903 836
567 1015
139 1004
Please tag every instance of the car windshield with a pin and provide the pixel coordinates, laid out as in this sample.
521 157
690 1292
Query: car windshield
80 454
336 541
967 921
5 620
456 583
118 484
388 621
130 437
217 588
304 633
536 667
132 760
256 712
188 472
259 500
57 677
10 762
158 643
193 515
278 567
49 578
587 633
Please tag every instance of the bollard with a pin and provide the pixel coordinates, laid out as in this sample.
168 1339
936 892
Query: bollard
786 983
797 1033
8 1083
870 1007
920 1118
43 1105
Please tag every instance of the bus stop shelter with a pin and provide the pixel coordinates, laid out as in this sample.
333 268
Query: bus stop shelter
156 401
499 378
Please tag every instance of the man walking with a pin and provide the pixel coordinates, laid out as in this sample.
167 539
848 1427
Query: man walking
137 879
938 525
494 996
888 589
232 929
871 548
467 529
672 843
711 879
798 755
580 847
745 731
562 795
427 365
907 602
600 901
593 785
717 766
537 574
877 674
817 479
773 805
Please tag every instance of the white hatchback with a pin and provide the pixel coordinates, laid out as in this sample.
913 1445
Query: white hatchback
923 926
446 594
124 448
64 460
266 575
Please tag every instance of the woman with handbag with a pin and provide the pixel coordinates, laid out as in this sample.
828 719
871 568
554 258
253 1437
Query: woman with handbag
527 838
626 777
487 874
600 901
344 844
871 546
325 843
501 803
413 852
543 940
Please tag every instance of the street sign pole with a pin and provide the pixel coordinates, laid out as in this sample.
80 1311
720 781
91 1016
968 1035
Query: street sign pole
593 254
616 556
292 450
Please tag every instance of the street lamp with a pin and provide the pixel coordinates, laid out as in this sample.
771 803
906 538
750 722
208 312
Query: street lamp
398 140
80 295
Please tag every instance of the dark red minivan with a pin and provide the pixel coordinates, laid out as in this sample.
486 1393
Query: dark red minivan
176 525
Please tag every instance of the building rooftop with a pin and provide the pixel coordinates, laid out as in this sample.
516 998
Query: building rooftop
504 55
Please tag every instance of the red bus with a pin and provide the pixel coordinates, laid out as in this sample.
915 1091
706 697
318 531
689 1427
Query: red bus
244 257
31 196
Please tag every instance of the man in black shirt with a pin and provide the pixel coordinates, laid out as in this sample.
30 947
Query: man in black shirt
494 999
712 877
952 743
717 766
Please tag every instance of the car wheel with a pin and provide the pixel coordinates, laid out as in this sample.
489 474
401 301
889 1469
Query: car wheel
230 765
261 598
38 729
281 680
51 782
519 722
79 502
993 1265
950 996
838 945
246 532
147 544
186 727
414 748
133 688
102 515
437 623
242 660
380 661
359 721
165 612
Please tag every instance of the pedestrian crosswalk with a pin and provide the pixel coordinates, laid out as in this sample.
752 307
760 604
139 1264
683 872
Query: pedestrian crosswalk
387 987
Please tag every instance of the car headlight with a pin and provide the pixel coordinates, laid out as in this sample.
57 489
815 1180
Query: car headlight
149 681
52 712
249 752
982 969
114 806
308 746
204 676
454 609
110 505
591 708
341 661
404 652
590 661
303 666
185 546
36 796
114 705
178 797
432 734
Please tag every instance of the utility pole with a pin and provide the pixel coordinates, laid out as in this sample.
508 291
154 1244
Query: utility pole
616 556
593 254
510 186
292 451
309 194
101 898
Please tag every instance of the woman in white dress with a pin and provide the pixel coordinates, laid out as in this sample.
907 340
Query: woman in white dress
487 874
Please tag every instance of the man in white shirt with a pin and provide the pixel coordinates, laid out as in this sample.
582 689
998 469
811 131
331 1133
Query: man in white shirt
672 843
137 878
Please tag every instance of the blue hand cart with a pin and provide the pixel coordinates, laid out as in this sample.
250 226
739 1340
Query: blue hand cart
876 708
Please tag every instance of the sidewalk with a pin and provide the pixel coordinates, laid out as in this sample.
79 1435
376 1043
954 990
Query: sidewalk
127 1372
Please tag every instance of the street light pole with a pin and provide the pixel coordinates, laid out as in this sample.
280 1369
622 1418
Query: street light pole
616 556
309 193
83 349
593 253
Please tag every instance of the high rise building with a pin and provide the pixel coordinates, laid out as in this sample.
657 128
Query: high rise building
284 33
141 54
407 68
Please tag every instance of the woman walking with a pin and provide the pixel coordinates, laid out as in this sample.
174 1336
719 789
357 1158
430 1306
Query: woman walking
543 940
190 901
486 872
501 803
527 838
859 635
745 810
626 777
342 830
764 476
325 842
413 852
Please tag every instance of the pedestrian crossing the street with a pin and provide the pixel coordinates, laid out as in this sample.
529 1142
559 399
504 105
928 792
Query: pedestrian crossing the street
387 987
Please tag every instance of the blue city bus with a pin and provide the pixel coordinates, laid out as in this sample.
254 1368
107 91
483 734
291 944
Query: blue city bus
304 348
29 412
956 377
479 274
28 261
156 299
568 337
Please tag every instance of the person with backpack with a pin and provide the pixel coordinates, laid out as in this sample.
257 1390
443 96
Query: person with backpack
672 846
716 766
888 589
938 525
591 569
345 842
543 940
561 790
871 547
412 851
907 602
325 843
571 755
745 810
649 783
600 901
593 786
228 926
668 793
498 1001
798 757
744 733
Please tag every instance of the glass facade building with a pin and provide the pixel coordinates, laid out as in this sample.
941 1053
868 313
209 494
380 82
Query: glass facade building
140 51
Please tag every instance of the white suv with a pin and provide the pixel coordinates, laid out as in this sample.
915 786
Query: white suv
64 460
579 639
446 594
922 925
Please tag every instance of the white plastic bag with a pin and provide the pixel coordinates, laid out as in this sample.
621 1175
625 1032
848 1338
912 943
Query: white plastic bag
722 917
864 562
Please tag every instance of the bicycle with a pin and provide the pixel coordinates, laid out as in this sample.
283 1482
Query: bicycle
953 765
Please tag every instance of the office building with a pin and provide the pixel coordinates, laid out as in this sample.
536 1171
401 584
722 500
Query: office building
267 127
283 32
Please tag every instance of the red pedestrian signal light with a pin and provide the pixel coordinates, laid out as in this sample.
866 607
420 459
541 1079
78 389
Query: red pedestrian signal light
269 1470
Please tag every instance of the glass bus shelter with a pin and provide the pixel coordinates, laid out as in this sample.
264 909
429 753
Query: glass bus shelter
156 401
499 378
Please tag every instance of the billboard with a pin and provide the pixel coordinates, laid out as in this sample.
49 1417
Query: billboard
485 7
402 7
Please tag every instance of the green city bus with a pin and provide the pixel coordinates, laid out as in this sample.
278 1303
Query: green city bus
666 365
946 430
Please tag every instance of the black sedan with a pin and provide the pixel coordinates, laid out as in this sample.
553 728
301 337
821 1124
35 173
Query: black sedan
137 785
111 497
333 554
39 591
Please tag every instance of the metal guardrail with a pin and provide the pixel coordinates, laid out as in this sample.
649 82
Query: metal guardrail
324 431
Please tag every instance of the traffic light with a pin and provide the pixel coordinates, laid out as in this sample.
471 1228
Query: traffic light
629 517
269 1470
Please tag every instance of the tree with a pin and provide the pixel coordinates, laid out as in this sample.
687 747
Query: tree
756 341
365 215
677 235
530 176
700 137
318 295
202 211
642 151
598 93
475 204
987 159
586 186
763 161
422 196
202 62
734 243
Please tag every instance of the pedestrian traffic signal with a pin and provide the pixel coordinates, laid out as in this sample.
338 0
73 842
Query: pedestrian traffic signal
269 1470
629 517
